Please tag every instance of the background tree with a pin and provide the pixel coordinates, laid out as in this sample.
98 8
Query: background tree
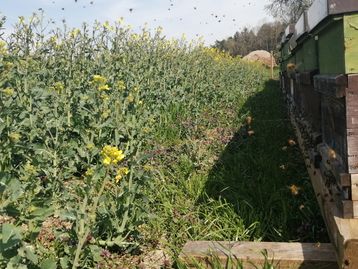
288 11
265 37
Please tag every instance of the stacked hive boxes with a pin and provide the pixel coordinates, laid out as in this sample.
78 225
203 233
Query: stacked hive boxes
319 77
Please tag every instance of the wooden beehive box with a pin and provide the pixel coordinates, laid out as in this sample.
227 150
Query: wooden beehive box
322 92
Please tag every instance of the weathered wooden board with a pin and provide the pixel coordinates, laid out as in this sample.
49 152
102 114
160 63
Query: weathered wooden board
352 123
342 231
285 255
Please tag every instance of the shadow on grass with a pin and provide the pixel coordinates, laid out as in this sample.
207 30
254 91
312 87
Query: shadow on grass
255 173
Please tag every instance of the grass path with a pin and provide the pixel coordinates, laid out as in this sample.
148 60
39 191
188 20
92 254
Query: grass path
220 178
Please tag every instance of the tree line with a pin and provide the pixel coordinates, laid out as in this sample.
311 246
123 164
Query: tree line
268 35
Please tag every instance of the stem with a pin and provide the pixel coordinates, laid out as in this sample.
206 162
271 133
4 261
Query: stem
92 212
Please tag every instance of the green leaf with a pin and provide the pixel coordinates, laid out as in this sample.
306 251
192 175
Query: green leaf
28 253
10 233
49 264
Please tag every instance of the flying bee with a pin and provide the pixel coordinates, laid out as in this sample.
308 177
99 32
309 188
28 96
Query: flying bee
249 120
332 154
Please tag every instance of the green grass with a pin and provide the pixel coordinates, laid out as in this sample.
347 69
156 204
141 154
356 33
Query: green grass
215 182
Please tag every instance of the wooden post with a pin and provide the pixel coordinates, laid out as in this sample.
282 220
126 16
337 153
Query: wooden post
252 254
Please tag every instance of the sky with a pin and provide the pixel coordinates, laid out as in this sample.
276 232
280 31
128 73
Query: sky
210 19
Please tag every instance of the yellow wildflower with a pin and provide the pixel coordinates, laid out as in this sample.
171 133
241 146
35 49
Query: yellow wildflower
104 96
111 155
89 172
146 130
104 88
8 65
30 169
3 49
294 189
107 26
15 137
121 172
130 98
74 33
8 91
90 146
97 79
121 85
105 114
147 167
140 102
57 87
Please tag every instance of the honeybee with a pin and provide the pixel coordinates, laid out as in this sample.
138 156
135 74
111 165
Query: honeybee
249 120
332 154
291 142
291 67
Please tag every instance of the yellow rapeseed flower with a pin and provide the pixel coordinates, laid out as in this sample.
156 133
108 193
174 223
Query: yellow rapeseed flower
3 49
104 87
104 96
15 137
99 80
111 155
30 169
90 146
8 91
121 85
130 98
89 172
57 87
121 172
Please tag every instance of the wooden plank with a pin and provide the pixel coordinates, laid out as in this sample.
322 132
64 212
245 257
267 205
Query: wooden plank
354 186
285 255
343 232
